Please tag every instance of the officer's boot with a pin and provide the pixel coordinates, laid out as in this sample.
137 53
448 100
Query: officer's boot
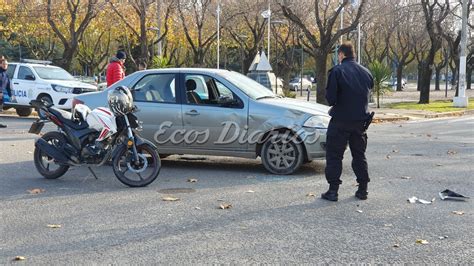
331 194
361 192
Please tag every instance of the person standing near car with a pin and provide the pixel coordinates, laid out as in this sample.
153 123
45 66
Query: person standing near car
4 85
115 69
347 92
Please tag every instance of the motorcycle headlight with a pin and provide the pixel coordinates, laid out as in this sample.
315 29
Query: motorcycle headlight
317 121
63 89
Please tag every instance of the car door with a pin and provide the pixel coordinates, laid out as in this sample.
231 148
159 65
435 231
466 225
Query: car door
24 85
214 117
159 106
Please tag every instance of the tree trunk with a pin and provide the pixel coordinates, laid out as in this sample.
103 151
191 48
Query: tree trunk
468 78
418 77
321 78
399 77
425 80
437 78
66 61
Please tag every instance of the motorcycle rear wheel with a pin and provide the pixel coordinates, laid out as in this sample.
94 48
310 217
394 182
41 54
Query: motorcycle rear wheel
135 175
43 162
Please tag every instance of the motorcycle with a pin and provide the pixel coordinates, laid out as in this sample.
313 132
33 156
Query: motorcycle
93 137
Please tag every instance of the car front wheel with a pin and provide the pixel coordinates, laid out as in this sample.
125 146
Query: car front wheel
282 154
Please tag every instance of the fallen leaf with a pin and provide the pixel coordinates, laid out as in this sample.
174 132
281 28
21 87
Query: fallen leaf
424 201
197 208
224 206
192 180
220 200
438 164
359 211
422 241
12 145
395 151
405 177
400 126
428 135
250 191
17 258
388 225
310 194
442 237
29 152
452 152
396 245
170 198
458 212
54 226
387 157
36 191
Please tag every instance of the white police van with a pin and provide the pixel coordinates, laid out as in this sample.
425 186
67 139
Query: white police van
35 80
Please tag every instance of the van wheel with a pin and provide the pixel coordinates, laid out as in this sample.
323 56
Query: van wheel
282 154
24 111
46 98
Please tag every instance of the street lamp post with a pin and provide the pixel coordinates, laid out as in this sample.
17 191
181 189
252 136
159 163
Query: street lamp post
276 22
218 31
461 100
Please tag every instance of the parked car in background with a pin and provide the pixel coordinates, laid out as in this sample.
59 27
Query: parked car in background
295 84
393 83
223 113
37 80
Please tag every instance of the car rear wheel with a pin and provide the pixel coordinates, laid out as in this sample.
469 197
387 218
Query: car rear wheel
24 111
282 154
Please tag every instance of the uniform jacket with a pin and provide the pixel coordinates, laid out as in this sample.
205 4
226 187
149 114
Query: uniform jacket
5 82
348 91
115 71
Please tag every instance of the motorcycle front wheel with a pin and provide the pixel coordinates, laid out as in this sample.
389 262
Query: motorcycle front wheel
137 174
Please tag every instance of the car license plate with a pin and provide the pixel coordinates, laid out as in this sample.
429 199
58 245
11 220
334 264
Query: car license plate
36 127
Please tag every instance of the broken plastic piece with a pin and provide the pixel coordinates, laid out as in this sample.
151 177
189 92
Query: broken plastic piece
451 195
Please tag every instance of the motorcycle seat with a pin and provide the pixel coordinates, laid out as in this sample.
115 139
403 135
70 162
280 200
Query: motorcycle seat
66 118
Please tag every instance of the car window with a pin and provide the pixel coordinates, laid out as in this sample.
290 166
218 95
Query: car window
205 90
11 70
24 71
53 73
155 88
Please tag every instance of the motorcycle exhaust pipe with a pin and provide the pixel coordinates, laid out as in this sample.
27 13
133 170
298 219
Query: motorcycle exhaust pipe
51 151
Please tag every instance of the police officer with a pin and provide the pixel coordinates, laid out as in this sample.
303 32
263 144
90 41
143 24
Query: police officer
347 93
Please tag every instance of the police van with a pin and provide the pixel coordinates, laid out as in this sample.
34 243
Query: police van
38 80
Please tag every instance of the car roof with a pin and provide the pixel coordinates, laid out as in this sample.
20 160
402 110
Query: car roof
186 70
32 64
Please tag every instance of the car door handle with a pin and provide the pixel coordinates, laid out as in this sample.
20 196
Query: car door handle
192 112
16 83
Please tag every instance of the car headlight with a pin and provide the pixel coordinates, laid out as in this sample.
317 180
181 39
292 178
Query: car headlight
317 121
63 89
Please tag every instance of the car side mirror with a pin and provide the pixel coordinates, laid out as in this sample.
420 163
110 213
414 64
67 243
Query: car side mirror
30 77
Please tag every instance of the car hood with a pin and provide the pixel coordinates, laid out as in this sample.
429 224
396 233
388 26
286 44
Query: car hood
298 105
72 84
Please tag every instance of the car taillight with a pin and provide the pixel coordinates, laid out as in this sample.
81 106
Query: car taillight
76 101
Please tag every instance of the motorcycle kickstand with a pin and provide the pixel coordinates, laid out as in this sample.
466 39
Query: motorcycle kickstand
90 169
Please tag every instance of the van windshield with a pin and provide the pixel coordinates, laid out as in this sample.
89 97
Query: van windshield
55 73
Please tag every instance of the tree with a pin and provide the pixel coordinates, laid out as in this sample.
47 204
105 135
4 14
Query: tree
69 26
381 74
434 13
321 37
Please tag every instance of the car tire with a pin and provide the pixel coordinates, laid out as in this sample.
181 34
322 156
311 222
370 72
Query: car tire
24 111
282 153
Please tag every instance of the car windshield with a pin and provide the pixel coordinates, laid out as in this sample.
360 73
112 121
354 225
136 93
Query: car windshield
53 73
249 86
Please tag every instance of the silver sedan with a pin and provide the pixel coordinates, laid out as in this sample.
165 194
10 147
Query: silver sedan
223 113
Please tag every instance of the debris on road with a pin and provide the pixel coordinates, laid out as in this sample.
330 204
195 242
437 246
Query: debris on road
458 212
18 258
170 198
438 164
192 180
54 226
451 195
388 157
197 208
36 191
388 225
442 237
359 211
396 245
405 177
310 194
452 152
422 241
415 199
225 206
249 191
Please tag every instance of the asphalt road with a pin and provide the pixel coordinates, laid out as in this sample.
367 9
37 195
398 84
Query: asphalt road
104 222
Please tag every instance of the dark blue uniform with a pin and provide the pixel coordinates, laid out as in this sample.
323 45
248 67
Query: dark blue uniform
348 93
